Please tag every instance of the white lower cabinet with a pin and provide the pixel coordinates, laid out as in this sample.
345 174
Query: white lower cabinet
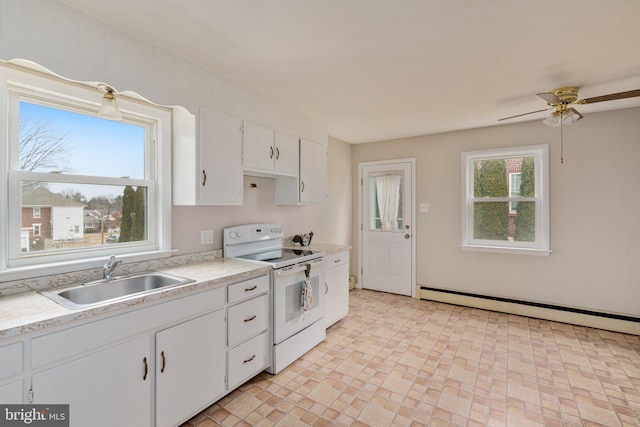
336 287
190 359
11 367
11 392
111 387
248 339
164 362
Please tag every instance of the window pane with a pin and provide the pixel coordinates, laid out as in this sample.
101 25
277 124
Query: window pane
386 201
491 220
490 178
524 222
55 140
75 216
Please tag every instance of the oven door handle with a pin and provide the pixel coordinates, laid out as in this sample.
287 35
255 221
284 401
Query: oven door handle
302 267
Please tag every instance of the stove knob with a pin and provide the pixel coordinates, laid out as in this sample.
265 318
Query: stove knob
238 234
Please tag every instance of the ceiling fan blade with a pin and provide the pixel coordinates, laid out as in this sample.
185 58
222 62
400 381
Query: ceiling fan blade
524 114
611 97
549 98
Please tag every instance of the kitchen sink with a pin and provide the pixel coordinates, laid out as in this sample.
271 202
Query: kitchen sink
104 291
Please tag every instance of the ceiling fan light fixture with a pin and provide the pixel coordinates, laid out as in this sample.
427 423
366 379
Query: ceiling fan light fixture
553 120
570 116
109 109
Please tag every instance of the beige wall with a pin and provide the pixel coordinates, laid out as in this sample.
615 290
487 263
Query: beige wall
594 208
330 222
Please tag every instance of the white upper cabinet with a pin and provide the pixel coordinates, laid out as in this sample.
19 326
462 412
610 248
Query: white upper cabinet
311 186
220 158
313 172
258 152
287 154
268 152
207 167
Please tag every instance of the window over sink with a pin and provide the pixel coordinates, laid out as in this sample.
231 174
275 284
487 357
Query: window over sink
81 187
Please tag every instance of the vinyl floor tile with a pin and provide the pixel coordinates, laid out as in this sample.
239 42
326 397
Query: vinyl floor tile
397 361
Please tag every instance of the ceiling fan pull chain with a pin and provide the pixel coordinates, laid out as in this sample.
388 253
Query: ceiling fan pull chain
561 141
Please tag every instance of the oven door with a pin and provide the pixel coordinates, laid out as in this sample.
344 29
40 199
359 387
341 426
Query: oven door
289 317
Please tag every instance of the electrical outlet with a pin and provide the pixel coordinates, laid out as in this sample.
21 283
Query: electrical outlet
206 237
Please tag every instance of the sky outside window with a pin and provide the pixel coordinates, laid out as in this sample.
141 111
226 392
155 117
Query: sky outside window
92 146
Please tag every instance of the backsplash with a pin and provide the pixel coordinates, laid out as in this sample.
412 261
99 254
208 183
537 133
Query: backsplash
83 276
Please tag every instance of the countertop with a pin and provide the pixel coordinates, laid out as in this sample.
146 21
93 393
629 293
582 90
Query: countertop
29 312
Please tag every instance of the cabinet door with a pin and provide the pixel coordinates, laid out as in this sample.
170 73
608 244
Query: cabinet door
11 393
109 388
258 152
287 154
313 172
190 367
220 145
337 288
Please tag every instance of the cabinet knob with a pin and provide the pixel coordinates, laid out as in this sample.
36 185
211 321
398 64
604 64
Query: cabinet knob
277 153
250 319
302 186
271 153
245 361
204 177
253 288
164 362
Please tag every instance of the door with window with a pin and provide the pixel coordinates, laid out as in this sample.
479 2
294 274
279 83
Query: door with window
387 243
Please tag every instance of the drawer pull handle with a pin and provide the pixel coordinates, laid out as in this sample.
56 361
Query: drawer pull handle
253 288
146 369
164 362
337 261
250 318
249 359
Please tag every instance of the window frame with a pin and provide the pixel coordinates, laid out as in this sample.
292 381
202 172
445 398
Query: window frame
541 245
18 83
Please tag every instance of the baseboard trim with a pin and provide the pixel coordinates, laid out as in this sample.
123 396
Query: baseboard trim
611 322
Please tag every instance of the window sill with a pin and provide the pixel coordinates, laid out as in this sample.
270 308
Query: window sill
505 250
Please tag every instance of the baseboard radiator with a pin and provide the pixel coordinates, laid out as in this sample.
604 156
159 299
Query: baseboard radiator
593 319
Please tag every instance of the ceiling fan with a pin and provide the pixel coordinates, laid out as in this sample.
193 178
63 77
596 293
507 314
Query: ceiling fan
560 100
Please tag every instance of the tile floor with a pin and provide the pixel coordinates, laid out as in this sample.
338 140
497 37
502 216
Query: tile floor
397 361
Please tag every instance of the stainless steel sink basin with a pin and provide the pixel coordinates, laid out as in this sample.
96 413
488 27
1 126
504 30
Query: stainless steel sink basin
103 291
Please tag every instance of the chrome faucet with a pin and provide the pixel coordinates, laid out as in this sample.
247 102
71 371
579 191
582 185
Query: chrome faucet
107 272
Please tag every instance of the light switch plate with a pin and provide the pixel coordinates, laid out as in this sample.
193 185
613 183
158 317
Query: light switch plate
424 207
206 237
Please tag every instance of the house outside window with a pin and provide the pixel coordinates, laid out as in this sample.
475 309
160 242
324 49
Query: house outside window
37 229
505 200
61 151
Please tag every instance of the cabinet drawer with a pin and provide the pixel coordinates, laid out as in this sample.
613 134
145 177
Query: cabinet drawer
11 357
247 360
247 319
248 288
335 260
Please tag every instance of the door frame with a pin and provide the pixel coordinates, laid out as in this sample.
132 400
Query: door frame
361 166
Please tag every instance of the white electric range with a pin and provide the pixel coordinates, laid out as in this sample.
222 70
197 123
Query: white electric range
295 330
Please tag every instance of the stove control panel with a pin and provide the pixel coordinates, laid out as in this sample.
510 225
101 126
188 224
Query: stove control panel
252 233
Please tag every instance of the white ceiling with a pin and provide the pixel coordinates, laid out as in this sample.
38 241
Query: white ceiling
383 69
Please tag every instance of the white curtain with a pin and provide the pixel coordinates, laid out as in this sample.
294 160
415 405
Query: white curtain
387 192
